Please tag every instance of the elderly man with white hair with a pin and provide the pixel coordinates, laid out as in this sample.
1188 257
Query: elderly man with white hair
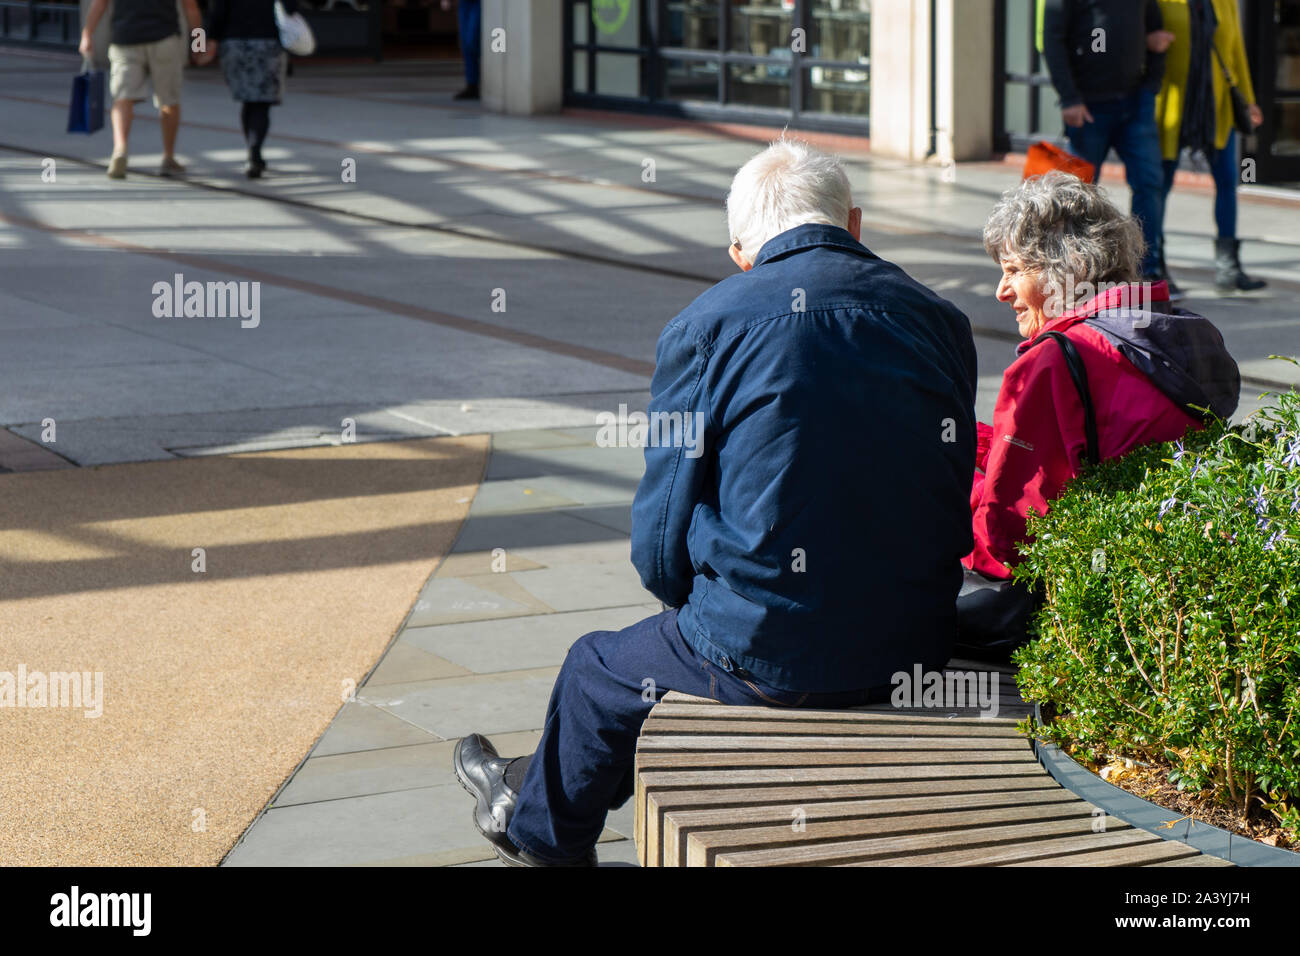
809 547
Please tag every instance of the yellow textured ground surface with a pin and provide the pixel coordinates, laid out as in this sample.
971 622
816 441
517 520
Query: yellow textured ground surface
215 684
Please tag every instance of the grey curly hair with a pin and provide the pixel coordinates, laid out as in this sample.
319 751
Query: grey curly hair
1068 233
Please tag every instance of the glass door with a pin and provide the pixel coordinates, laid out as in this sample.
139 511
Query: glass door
1273 42
766 60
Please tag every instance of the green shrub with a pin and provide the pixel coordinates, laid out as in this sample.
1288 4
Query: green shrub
1171 625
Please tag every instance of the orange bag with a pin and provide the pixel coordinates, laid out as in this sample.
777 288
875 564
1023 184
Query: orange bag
1043 157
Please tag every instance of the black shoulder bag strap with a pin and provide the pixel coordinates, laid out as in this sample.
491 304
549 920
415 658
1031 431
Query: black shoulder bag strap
1080 377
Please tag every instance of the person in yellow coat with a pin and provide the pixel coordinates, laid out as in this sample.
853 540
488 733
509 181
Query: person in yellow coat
1202 41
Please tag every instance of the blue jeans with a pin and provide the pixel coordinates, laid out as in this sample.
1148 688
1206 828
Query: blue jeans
583 766
1223 167
469 14
1129 126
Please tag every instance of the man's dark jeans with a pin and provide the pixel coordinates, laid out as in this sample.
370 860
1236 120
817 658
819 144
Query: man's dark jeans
1129 125
583 766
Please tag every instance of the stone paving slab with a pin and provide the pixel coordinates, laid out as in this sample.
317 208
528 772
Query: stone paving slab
353 830
386 770
362 726
479 652
530 530
486 704
536 641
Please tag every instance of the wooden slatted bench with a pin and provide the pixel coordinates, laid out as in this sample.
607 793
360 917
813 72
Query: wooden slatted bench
718 785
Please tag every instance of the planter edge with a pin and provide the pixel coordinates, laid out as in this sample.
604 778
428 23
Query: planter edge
1209 839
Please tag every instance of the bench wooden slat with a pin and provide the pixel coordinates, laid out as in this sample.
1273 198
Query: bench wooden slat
794 714
1143 855
1027 850
656 742
892 814
934 728
893 847
765 776
887 832
869 714
652 805
676 760
1202 859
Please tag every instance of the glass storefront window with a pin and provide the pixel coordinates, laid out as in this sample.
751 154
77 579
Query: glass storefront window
580 71
751 54
690 80
762 26
581 17
618 74
616 22
1286 105
840 29
1286 123
692 24
828 90
759 85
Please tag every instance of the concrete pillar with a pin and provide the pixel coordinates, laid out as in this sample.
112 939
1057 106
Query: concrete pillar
900 78
901 116
964 72
528 77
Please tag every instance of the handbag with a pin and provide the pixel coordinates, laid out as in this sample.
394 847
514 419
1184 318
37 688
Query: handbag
1043 157
993 616
1240 108
295 34
86 109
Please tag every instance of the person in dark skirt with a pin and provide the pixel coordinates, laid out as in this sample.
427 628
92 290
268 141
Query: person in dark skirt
253 62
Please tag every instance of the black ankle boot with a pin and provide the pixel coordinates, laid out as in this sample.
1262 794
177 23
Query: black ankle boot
1228 274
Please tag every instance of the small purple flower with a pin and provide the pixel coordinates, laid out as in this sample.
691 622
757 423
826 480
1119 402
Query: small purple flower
1259 502
1165 506
1268 545
1262 524
1178 455
1295 502
1197 466
1292 454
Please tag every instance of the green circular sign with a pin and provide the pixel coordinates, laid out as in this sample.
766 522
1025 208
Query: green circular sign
609 15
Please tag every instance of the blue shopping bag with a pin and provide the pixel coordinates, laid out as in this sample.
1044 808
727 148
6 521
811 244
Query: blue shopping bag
86 112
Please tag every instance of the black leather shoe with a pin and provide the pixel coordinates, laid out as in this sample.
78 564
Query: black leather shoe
517 857
482 772
468 93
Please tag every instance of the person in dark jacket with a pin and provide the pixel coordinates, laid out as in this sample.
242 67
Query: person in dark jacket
1107 79
803 513
1150 367
469 18
244 34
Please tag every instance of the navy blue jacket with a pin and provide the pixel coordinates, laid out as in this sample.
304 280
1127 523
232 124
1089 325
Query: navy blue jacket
815 543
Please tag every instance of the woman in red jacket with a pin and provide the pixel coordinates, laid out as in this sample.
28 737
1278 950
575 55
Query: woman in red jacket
1070 261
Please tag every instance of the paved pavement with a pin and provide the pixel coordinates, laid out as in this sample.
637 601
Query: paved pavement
481 274
542 559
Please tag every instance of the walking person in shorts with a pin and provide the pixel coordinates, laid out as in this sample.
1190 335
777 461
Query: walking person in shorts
146 48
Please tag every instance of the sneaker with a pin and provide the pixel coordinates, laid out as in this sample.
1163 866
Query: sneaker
170 167
117 166
468 93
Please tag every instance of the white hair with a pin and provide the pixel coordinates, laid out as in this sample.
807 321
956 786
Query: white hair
788 184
